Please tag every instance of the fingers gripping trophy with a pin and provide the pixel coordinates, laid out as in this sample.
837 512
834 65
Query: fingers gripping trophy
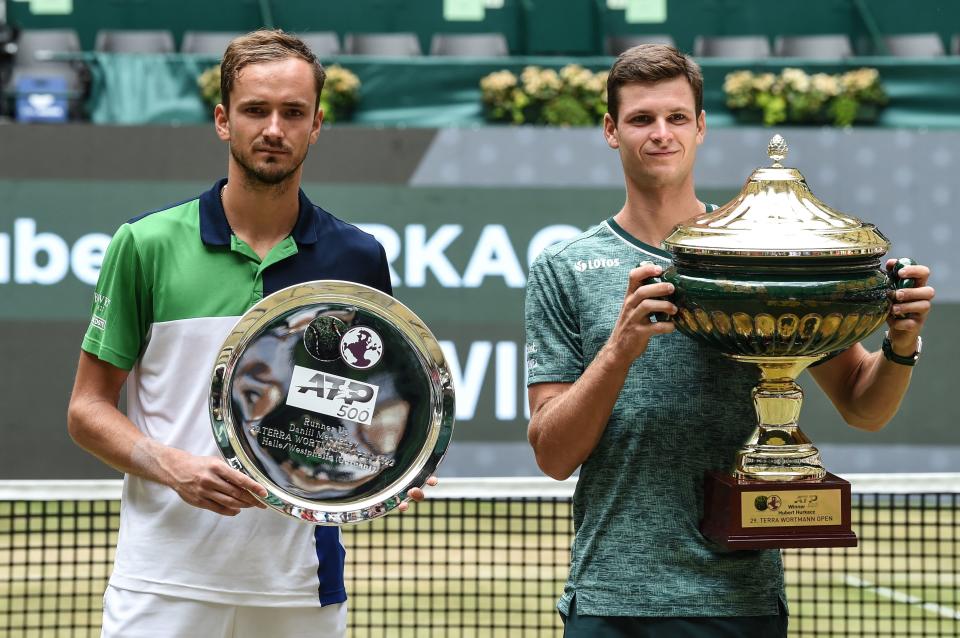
778 279
336 398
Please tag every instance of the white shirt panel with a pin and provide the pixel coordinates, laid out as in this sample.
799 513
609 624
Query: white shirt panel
259 557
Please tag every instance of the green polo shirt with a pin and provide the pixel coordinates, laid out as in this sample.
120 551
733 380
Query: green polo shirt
172 286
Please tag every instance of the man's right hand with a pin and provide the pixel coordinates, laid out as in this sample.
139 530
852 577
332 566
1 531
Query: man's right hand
209 483
568 419
97 426
633 329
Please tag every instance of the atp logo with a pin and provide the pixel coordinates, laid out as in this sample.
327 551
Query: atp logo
332 387
332 395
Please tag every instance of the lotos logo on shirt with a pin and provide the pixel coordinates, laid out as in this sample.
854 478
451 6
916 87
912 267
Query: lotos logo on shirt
594 264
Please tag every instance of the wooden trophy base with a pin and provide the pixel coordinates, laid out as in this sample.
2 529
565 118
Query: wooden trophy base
751 514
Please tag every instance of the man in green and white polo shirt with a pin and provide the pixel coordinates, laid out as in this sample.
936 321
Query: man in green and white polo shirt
643 411
196 555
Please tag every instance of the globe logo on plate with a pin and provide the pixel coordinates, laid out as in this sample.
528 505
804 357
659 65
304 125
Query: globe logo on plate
361 348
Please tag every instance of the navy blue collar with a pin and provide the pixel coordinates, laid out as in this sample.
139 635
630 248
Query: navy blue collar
215 230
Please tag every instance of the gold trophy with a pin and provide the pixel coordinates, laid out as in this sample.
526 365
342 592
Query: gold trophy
779 279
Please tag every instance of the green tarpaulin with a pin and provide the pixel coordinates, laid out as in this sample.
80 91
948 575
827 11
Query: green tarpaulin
435 92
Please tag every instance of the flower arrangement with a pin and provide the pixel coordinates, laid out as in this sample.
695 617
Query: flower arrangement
573 96
209 83
793 96
341 91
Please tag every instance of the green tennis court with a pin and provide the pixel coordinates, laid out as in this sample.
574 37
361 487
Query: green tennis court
487 557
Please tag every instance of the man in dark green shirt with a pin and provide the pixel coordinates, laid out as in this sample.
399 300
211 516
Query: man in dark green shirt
642 410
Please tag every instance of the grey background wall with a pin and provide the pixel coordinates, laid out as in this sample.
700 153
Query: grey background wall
461 213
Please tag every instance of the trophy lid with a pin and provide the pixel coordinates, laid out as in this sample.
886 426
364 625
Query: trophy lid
776 215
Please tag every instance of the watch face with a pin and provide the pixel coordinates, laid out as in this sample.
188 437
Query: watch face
336 398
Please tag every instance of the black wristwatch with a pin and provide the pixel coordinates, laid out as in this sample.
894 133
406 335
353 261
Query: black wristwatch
896 358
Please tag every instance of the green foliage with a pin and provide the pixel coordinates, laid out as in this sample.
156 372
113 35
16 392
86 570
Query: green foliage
209 83
795 97
341 93
574 96
843 110
566 110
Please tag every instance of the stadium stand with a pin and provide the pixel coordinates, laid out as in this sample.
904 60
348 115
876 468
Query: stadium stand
323 43
904 45
389 45
421 33
916 45
617 44
469 44
124 41
34 57
207 42
830 46
732 46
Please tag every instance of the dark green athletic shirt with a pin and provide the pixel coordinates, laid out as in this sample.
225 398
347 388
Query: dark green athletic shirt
683 410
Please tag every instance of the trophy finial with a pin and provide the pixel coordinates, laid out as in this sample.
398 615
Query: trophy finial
777 150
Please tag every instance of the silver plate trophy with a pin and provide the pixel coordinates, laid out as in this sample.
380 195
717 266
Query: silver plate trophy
336 398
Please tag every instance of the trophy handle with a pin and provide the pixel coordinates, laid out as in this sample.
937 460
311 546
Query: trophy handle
658 317
896 281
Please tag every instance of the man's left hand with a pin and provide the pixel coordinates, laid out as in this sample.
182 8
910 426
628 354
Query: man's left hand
416 494
910 308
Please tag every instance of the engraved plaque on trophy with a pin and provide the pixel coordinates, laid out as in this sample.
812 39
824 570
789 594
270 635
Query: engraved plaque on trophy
336 398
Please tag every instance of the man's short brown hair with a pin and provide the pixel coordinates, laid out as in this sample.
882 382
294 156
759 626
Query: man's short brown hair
265 45
648 63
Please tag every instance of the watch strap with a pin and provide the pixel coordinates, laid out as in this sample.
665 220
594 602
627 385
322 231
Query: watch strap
910 360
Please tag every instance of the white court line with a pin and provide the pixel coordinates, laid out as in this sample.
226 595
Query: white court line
900 597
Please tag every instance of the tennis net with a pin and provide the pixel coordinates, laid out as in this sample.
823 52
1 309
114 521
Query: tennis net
488 557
